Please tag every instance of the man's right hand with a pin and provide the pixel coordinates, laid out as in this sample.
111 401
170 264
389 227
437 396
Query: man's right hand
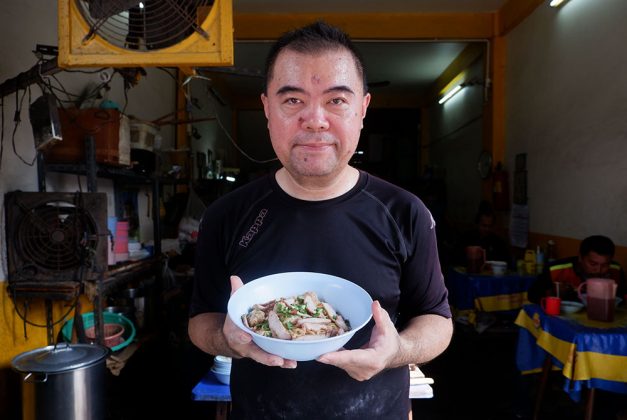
241 343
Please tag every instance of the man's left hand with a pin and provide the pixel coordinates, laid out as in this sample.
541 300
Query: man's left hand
384 345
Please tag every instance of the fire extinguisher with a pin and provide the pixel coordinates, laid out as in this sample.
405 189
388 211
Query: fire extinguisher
500 188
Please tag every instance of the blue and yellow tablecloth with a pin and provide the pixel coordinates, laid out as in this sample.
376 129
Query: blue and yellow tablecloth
590 354
487 293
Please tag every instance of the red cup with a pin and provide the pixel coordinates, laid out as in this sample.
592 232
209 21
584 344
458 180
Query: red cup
551 305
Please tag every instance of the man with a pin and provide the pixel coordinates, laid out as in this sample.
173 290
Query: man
485 236
319 214
594 260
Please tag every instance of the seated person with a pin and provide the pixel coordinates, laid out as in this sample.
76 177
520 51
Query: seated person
594 261
484 235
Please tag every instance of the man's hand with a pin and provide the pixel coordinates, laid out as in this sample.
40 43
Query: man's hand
242 344
384 346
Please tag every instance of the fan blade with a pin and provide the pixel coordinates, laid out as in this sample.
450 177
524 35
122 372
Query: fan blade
99 9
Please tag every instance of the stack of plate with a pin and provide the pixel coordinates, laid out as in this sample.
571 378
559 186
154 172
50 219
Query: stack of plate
222 369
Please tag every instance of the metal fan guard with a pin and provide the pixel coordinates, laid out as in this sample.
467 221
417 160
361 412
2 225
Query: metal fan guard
158 24
57 237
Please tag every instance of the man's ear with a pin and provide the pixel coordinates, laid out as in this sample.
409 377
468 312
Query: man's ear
264 101
364 105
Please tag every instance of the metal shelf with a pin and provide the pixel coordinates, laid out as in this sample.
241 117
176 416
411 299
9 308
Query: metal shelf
108 280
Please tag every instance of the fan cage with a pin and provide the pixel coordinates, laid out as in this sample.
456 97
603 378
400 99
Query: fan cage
57 236
142 25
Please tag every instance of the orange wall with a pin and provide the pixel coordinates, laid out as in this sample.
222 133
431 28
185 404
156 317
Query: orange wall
566 247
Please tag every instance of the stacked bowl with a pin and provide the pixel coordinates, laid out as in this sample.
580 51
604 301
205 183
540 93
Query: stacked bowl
222 369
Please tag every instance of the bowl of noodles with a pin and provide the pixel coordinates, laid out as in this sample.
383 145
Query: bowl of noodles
300 315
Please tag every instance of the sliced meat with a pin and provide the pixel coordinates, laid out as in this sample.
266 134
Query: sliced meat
245 321
301 321
277 328
256 317
329 310
311 301
339 321
317 328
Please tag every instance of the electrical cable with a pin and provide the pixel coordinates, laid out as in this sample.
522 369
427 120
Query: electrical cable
17 120
239 148
226 133
2 133
23 316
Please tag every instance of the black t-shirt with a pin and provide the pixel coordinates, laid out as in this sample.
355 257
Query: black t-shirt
377 235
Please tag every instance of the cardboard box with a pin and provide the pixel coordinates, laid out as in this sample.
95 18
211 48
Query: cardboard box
109 128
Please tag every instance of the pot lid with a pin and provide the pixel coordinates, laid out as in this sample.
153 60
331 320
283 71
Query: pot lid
59 358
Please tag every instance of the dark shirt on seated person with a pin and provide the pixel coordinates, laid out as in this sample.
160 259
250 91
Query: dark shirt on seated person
569 274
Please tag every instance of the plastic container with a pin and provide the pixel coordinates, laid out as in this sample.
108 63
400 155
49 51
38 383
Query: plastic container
143 135
601 298
88 321
120 246
112 334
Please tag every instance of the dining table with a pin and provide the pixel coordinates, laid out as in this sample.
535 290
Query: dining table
474 293
589 354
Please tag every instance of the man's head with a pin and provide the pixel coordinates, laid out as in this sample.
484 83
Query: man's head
316 38
485 219
595 254
315 102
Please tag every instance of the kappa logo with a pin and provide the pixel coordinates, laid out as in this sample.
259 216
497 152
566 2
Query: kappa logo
253 229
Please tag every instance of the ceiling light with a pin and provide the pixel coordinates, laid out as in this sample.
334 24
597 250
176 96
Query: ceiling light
450 94
557 3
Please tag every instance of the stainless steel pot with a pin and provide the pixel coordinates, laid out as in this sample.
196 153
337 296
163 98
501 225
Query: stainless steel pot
63 382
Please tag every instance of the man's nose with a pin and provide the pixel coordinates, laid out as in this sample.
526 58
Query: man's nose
314 119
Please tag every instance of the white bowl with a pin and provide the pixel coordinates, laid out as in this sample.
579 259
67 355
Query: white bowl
571 307
347 298
584 299
222 362
224 377
498 267
223 359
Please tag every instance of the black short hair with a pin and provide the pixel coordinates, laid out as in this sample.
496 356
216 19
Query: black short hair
600 244
314 38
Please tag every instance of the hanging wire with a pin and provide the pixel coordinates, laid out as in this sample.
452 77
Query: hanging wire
2 134
239 148
224 130
18 120
24 316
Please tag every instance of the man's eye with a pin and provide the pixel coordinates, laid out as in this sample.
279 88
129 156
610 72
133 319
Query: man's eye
337 101
292 101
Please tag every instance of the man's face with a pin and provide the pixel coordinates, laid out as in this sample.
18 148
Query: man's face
486 225
315 106
594 264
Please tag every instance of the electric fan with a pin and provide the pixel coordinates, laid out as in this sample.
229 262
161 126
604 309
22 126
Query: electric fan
134 33
55 237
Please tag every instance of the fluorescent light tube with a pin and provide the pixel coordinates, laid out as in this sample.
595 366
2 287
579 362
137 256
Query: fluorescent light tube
556 3
450 94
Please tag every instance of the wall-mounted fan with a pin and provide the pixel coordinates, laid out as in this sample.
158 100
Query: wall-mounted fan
55 237
134 33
